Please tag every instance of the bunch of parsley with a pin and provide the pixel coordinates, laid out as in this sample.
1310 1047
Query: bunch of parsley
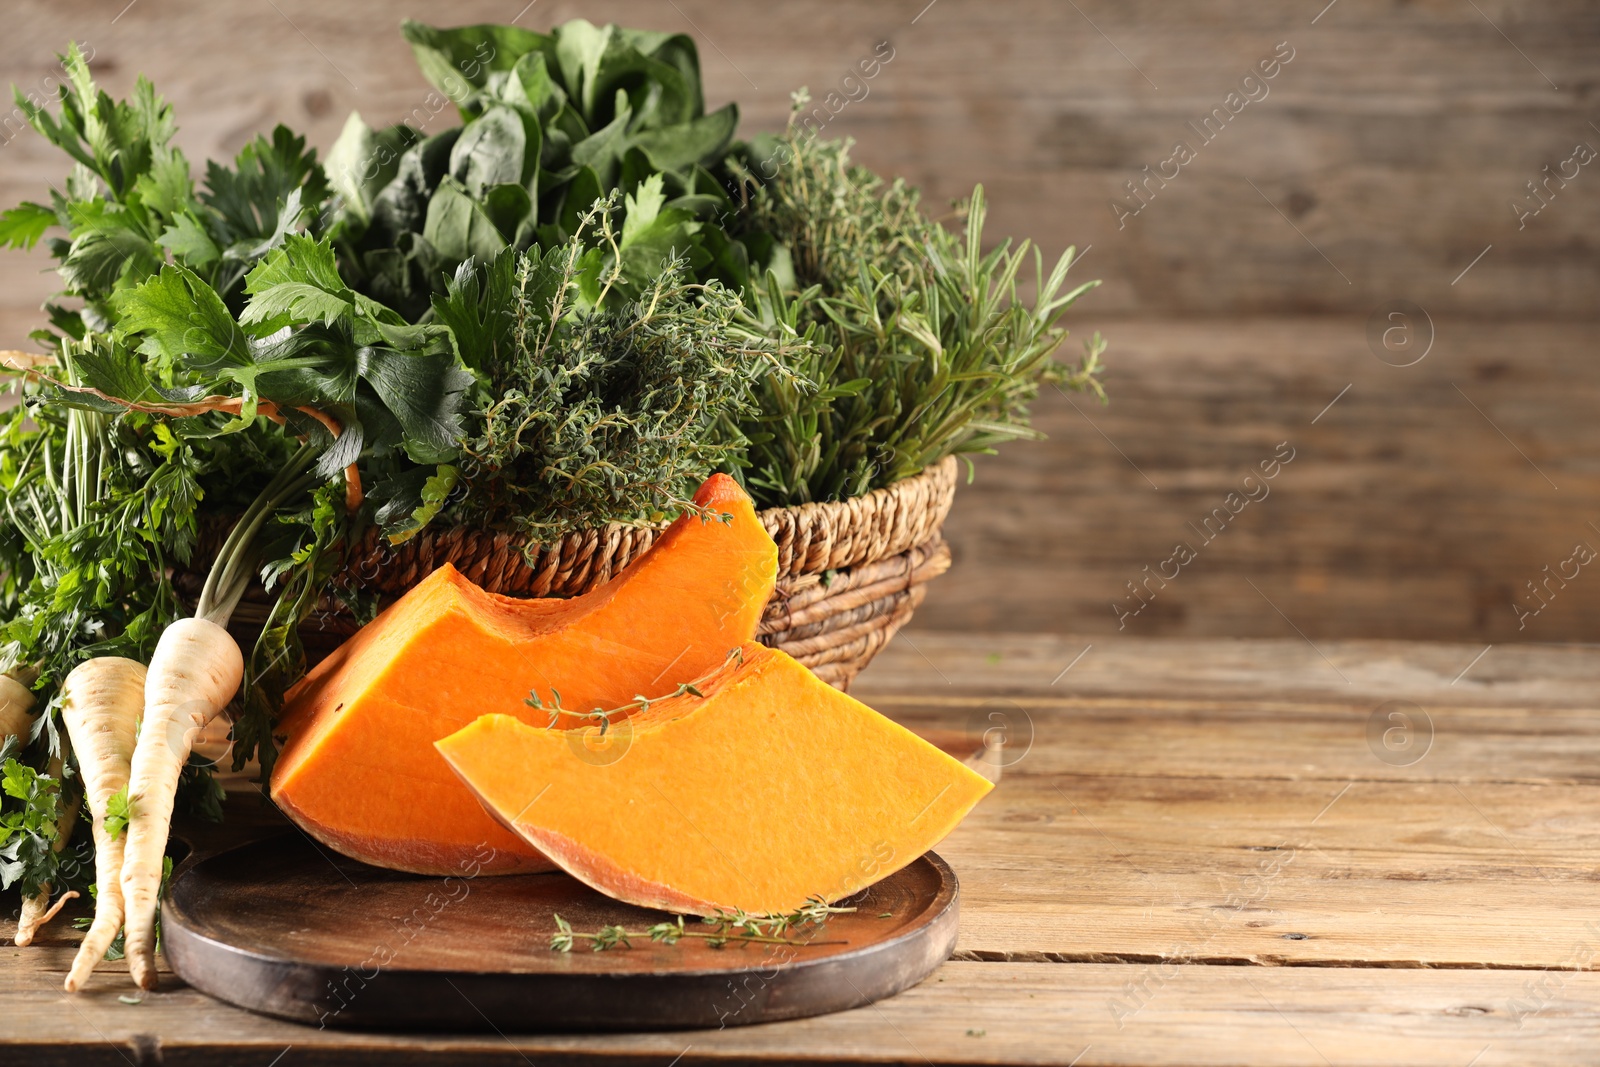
207 329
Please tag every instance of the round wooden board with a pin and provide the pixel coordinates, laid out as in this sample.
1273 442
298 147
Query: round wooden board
285 928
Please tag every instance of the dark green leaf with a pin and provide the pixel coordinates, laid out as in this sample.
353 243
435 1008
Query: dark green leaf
107 247
363 161
403 204
700 140
249 196
457 225
114 370
167 187
489 151
510 209
295 284
531 78
459 60
188 241
183 322
603 150
345 450
477 307
426 393
581 193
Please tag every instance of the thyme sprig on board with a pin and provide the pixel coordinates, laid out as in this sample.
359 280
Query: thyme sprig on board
727 927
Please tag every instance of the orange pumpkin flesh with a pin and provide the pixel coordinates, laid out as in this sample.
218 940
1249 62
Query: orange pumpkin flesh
772 788
359 771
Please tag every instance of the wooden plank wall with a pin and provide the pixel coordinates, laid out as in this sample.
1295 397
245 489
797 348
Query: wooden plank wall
1379 165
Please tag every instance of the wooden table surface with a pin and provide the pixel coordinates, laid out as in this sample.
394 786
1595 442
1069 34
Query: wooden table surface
1201 852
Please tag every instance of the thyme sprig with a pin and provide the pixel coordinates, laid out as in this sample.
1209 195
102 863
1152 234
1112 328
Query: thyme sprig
603 716
639 703
729 926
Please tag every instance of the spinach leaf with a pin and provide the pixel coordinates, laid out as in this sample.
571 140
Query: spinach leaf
570 117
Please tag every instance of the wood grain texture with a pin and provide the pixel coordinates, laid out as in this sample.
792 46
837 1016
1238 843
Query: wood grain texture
968 1013
1195 856
1226 800
1394 139
1421 504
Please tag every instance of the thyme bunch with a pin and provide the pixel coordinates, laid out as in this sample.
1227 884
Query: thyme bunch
596 411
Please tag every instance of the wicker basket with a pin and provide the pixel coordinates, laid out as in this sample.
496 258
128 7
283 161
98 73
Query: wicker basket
849 573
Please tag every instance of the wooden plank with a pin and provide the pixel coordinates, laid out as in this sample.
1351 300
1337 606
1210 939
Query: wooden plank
1273 872
1227 739
969 1013
1406 511
933 666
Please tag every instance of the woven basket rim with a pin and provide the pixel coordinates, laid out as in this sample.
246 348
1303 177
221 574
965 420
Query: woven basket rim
849 572
812 538
931 476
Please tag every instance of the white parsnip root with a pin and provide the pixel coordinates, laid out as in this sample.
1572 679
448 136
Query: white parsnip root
37 909
16 708
16 720
196 670
101 703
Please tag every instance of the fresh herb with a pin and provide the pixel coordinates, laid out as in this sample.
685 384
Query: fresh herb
605 715
28 827
551 123
639 704
131 201
926 349
727 927
116 819
606 415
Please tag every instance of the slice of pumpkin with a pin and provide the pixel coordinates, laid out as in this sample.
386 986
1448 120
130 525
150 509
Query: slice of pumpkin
359 771
770 789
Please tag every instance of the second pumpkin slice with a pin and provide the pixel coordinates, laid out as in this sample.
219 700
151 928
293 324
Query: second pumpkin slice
360 773
761 788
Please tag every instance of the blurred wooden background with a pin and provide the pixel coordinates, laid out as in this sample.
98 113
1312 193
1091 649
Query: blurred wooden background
1379 167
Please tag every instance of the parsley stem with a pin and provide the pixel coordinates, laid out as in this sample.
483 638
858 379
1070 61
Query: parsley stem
229 575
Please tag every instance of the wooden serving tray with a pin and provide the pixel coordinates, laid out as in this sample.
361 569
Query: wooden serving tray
287 928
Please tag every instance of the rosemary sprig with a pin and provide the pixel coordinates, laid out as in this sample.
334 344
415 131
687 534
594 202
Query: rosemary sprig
728 926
